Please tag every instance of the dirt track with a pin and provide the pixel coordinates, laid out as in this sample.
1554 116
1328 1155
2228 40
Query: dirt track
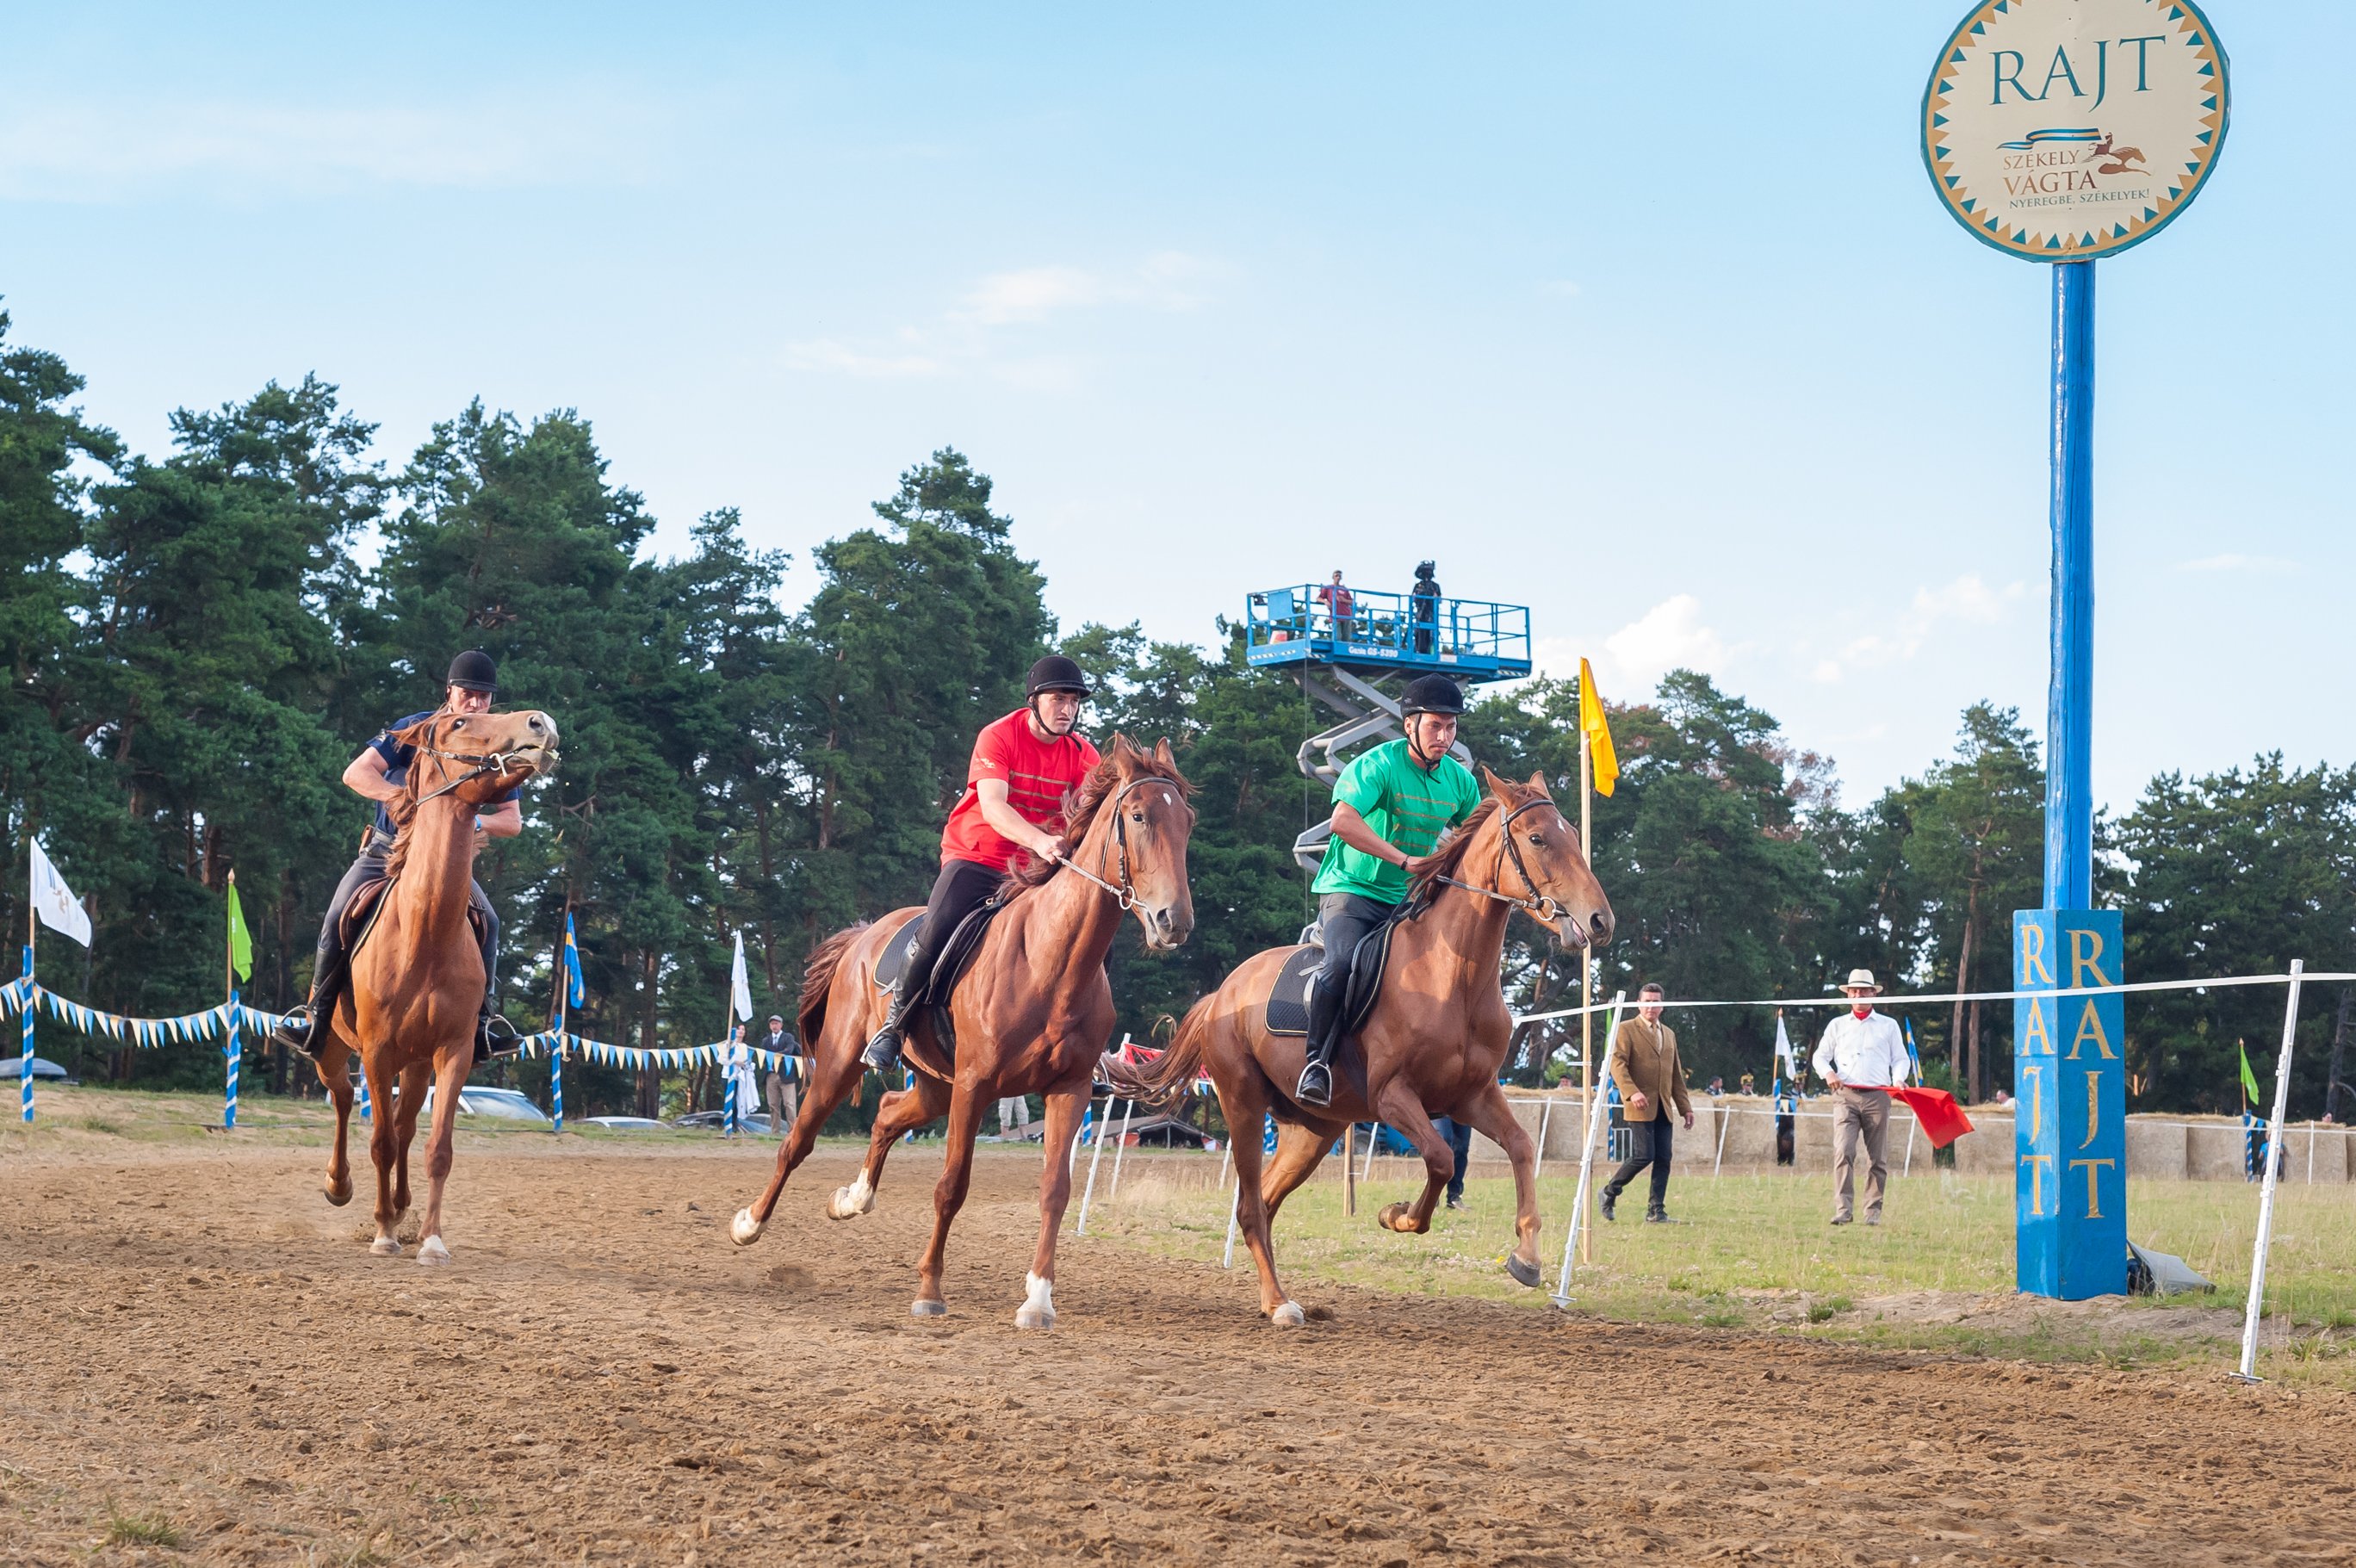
199 1337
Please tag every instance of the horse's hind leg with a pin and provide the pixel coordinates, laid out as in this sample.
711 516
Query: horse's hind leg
901 1112
1246 1110
1301 1147
335 1076
826 1094
1065 1105
948 1197
1489 1114
452 1066
1398 1107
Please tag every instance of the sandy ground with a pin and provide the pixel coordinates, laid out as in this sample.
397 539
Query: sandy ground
195 1339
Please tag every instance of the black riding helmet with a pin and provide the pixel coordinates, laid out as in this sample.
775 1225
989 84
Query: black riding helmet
1055 673
473 671
1431 694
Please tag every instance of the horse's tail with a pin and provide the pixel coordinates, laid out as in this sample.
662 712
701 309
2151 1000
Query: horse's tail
1170 1075
817 978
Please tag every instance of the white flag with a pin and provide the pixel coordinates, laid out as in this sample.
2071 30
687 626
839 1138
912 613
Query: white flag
741 990
1783 1048
55 902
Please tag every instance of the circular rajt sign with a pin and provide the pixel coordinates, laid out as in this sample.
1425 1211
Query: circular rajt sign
2064 130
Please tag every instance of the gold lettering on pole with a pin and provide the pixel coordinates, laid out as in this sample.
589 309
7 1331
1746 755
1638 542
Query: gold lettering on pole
2093 1105
2032 956
2090 1027
2034 1038
2036 1164
2035 1074
2084 960
2094 1197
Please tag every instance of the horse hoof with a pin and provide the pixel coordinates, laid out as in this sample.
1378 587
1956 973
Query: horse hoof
1038 1310
1524 1273
431 1254
1289 1316
744 1229
929 1308
1390 1217
849 1202
338 1196
385 1247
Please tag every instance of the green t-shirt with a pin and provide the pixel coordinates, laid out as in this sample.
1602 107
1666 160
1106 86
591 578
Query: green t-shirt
1409 807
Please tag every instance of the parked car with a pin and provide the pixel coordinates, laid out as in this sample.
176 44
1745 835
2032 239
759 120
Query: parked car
497 1105
44 1071
624 1124
717 1121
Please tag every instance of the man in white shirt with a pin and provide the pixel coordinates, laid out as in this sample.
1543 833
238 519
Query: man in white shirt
1860 1054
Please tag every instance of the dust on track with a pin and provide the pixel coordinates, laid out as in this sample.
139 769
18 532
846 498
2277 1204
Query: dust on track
198 1338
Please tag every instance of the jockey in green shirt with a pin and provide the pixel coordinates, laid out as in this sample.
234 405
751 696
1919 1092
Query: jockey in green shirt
1390 808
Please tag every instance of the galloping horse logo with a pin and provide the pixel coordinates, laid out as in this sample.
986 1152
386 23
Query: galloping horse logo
2119 156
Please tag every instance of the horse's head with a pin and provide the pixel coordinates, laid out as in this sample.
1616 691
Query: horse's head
1143 828
476 757
1541 859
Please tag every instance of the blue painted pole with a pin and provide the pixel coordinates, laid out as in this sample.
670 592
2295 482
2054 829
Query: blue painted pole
235 1052
25 1063
2068 748
556 1084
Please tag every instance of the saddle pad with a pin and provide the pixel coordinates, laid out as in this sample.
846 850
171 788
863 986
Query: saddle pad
1288 998
957 955
895 956
369 900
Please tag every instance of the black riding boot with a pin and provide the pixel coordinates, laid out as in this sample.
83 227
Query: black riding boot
882 1053
494 1036
302 1030
1316 1086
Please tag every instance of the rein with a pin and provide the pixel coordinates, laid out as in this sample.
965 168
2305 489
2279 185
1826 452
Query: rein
1540 907
1125 894
485 763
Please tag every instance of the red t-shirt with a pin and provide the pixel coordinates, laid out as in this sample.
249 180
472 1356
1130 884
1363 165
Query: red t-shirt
1037 777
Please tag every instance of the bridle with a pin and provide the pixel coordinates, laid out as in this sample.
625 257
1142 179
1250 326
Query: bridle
1541 907
1125 892
485 763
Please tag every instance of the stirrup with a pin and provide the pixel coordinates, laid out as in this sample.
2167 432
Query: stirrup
494 1036
1316 1085
303 1036
882 1053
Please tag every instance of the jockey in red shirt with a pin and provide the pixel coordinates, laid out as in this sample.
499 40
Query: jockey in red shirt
1022 766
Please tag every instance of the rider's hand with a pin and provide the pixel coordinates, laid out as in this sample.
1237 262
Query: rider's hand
1052 851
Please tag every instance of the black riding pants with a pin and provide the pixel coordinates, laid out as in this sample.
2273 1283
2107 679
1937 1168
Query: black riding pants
370 867
1345 919
962 887
1649 1143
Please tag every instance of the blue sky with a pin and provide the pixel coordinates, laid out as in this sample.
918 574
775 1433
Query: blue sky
1642 316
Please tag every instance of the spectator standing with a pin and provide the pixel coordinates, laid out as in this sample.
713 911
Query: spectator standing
736 1073
1339 606
1460 1143
1862 1055
1423 609
783 1099
1646 1072
1013 1116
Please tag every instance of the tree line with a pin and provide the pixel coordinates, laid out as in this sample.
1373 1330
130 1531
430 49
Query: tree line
197 643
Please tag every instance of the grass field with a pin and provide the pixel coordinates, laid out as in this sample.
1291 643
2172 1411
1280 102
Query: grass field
1756 1254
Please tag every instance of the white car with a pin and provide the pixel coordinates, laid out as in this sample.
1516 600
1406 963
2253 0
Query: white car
497 1105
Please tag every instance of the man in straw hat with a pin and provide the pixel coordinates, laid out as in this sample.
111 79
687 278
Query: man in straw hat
1861 1052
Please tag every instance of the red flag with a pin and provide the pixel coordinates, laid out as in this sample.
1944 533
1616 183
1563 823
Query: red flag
1942 1120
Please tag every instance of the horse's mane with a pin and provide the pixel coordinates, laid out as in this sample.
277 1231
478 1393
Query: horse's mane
1448 855
1081 806
402 809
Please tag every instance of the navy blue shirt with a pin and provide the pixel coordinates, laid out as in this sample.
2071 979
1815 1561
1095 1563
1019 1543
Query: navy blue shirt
397 758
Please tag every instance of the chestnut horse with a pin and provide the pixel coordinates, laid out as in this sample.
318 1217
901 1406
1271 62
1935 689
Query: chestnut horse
1032 1014
1432 1044
415 984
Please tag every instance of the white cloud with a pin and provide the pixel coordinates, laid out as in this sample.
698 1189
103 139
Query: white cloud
87 151
2237 563
1165 280
825 354
1668 636
1966 600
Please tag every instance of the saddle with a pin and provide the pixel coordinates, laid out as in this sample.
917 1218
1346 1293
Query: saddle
367 903
957 955
1287 997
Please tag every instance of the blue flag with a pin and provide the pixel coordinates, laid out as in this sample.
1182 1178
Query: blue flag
574 992
1913 1055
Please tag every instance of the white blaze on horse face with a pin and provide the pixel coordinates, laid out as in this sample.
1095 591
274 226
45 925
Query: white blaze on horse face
1038 1310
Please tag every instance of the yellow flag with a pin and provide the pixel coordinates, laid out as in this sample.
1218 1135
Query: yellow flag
1602 759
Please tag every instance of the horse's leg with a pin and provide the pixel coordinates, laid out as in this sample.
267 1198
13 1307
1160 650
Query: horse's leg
335 1077
1489 1115
1398 1106
1066 1104
1245 1106
901 1112
413 1080
383 1152
831 1086
948 1197
450 1076
1301 1147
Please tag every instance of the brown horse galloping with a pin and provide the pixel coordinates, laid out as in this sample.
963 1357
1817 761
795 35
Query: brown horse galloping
1432 1044
417 982
1032 1015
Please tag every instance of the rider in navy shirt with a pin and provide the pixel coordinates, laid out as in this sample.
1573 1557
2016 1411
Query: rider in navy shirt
380 773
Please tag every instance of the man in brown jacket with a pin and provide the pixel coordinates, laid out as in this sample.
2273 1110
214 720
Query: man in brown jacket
1646 1068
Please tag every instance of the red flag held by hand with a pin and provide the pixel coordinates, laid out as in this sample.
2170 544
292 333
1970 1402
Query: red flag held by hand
1942 1120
